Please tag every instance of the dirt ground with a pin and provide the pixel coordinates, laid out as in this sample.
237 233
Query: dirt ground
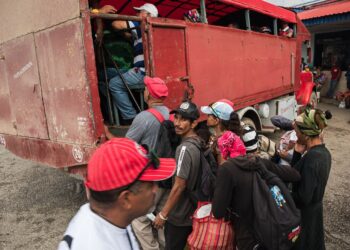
37 202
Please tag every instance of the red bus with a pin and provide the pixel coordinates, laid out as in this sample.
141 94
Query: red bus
49 101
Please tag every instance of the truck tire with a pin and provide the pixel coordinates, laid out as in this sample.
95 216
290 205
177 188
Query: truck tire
249 121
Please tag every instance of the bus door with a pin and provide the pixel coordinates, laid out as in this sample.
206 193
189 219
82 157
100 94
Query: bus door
166 57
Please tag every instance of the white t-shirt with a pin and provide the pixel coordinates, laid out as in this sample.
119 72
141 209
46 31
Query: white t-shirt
88 230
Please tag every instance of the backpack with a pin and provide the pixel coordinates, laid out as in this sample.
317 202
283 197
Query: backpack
277 220
205 182
267 145
167 142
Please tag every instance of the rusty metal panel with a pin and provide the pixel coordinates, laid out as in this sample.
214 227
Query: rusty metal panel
92 72
169 60
47 152
34 15
7 119
169 44
65 88
24 87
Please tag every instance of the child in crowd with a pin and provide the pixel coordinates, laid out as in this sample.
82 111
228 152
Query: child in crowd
225 123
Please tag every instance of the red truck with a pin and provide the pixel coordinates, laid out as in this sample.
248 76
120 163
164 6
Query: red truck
49 101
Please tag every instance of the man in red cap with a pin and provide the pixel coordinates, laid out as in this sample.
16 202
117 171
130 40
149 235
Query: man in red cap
144 130
120 187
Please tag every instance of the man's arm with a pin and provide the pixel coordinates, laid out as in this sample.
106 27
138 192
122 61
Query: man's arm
286 173
119 25
138 127
183 165
174 196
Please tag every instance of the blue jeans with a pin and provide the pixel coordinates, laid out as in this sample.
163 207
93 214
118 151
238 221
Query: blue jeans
332 86
120 93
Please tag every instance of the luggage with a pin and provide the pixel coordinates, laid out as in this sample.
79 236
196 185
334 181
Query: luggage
208 232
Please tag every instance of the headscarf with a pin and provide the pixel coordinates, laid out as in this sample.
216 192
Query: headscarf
231 145
311 122
193 16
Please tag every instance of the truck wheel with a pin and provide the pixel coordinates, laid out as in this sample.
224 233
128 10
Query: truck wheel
248 121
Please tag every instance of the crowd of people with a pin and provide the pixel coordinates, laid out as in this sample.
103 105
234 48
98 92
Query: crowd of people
131 207
144 189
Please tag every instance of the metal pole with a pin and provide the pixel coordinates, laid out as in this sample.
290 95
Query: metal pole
116 17
203 12
247 19
109 102
275 28
122 78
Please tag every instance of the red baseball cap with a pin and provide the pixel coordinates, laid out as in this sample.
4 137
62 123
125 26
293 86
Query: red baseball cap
156 87
118 162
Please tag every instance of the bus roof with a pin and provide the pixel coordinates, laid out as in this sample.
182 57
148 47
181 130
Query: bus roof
216 9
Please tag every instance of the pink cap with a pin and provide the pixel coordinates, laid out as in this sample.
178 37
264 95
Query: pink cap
156 87
118 162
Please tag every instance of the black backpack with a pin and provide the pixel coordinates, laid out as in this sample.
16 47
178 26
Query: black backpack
276 218
205 182
167 142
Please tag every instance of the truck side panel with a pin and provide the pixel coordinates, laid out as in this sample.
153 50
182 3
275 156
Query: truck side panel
170 61
7 119
218 61
22 17
214 60
55 56
63 78
24 87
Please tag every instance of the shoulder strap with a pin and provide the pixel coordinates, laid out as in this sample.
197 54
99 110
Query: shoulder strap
156 114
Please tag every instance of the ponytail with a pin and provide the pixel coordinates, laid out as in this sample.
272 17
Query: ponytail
234 124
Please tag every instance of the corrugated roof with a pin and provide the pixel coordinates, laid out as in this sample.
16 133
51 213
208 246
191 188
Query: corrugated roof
326 10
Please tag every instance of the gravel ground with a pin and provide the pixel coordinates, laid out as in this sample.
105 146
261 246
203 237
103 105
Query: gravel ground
37 202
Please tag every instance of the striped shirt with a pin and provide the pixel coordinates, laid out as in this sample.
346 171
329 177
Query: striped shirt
138 46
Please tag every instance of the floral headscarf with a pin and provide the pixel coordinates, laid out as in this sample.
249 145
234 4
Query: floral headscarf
193 16
311 122
231 145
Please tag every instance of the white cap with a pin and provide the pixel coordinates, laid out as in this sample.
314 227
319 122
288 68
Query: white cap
221 109
150 8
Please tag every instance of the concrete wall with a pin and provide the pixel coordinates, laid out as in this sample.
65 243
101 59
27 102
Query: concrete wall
20 17
341 84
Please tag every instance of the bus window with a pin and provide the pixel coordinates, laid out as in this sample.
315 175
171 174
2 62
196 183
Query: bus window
261 23
286 29
233 20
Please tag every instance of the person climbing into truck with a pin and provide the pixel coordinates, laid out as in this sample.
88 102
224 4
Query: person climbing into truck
135 75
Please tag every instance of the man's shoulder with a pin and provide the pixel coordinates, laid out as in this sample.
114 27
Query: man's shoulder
192 144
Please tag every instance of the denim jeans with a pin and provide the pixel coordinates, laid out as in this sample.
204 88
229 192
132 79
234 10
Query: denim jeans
119 92
332 86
